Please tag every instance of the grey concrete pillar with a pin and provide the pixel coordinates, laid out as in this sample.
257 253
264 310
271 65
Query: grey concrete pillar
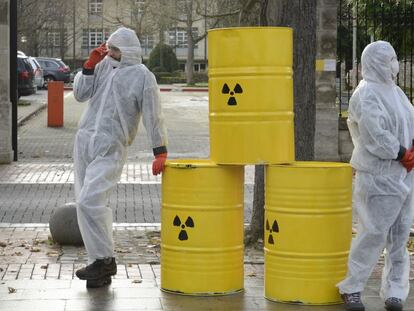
326 127
6 152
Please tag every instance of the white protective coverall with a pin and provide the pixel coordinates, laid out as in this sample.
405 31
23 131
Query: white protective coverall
381 120
119 93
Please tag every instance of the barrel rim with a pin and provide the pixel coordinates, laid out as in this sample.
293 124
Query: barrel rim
196 163
312 164
250 28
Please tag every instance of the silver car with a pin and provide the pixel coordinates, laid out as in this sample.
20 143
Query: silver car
38 72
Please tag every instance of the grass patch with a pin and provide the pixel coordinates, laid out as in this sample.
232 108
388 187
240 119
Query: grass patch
23 102
202 84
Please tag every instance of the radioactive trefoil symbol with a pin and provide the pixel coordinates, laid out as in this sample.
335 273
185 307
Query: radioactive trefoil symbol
237 90
182 236
274 228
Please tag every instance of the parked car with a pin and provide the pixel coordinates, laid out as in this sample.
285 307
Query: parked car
25 76
38 72
74 73
54 70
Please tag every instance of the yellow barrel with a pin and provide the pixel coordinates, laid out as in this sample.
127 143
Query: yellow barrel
308 228
251 95
202 228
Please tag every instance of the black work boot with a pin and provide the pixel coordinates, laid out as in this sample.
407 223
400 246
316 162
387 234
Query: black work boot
99 282
393 304
98 270
353 302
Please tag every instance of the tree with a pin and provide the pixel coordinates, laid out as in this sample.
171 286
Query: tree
163 55
301 16
186 13
146 18
375 20
42 24
214 12
163 15
32 16
249 12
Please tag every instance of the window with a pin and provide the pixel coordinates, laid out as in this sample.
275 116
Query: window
178 37
202 67
95 37
53 38
139 5
95 6
147 41
51 64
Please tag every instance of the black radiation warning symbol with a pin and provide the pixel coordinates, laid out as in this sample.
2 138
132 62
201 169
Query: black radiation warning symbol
237 90
188 223
274 228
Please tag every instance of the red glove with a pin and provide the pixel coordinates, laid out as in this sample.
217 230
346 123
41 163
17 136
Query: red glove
159 163
408 160
96 56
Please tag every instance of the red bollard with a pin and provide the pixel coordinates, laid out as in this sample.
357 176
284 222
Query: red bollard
55 104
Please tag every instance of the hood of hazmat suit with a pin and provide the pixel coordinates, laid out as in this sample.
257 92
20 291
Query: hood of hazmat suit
120 93
381 120
380 116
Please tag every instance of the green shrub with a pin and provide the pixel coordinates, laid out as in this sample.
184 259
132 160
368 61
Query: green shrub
169 58
200 77
158 69
171 80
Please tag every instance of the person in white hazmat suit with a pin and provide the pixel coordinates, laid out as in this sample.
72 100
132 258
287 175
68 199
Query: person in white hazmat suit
120 91
381 124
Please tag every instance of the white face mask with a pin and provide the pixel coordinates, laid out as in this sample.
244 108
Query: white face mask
114 62
395 67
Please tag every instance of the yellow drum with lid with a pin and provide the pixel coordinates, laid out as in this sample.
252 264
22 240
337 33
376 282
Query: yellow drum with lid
251 95
308 230
202 228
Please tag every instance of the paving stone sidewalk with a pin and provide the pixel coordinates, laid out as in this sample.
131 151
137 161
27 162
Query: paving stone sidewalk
133 203
42 179
186 119
31 191
36 274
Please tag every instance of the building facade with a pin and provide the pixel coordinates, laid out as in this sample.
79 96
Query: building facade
88 23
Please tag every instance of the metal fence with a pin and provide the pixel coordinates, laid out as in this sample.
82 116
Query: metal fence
363 21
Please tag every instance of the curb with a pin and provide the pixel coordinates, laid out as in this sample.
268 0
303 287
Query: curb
183 89
150 225
195 90
31 114
163 89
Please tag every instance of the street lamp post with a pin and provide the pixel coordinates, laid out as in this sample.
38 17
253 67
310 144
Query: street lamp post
13 74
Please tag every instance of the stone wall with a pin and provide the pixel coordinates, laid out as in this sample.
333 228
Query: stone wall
326 127
6 153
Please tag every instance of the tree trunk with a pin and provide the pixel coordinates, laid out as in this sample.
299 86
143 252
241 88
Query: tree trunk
301 16
190 44
248 14
161 34
162 23
62 29
74 34
255 231
190 56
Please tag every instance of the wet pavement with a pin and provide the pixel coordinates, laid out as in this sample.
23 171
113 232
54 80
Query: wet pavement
37 274
186 119
42 179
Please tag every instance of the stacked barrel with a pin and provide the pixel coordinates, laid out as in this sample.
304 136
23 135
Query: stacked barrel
307 204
